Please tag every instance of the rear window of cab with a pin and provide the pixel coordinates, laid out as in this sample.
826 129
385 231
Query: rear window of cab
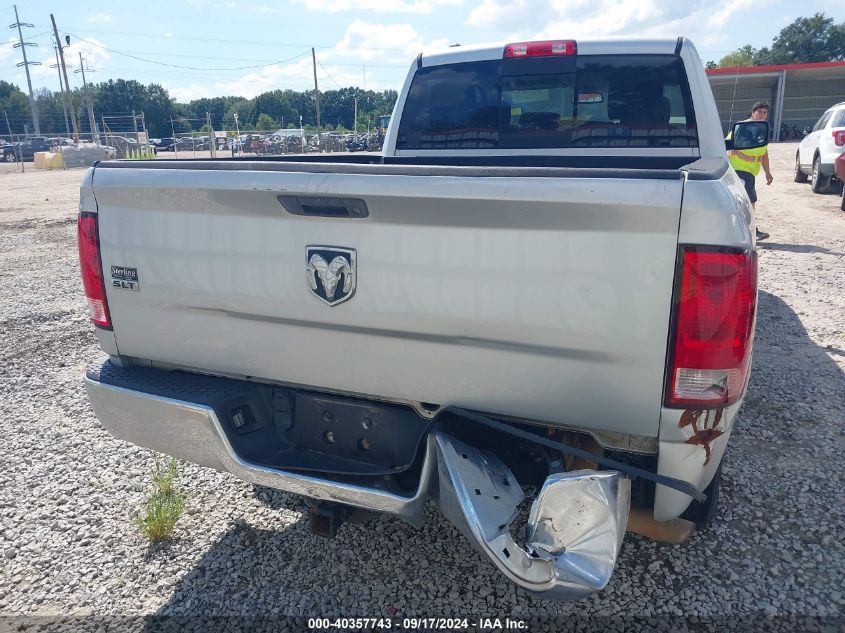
561 102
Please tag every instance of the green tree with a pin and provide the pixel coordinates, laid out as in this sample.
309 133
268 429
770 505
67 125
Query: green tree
265 122
277 105
50 113
243 107
815 39
16 105
743 56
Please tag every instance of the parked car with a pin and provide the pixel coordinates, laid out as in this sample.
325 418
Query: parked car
201 143
123 145
819 150
163 144
7 151
185 144
248 142
565 311
26 149
61 141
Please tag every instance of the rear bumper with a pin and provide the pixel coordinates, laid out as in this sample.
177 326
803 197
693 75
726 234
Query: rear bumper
193 432
575 526
828 162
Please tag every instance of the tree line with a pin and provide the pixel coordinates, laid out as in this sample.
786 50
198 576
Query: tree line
806 40
163 115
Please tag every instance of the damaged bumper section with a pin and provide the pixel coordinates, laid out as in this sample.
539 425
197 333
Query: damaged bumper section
574 528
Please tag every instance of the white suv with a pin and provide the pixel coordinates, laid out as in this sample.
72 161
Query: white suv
818 151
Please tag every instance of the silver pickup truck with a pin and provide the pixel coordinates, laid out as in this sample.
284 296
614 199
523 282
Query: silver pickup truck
544 291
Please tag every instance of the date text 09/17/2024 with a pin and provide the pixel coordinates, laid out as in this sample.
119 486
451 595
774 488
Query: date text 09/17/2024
418 624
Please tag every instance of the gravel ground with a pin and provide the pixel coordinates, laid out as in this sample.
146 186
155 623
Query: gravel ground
69 491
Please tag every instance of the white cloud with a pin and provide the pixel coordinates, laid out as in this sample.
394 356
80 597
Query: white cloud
368 41
188 93
378 6
104 17
703 21
7 52
341 65
94 56
264 9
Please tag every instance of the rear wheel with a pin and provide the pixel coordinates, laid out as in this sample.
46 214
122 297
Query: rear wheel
703 513
798 175
820 183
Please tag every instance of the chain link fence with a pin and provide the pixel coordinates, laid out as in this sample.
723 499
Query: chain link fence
64 151
256 143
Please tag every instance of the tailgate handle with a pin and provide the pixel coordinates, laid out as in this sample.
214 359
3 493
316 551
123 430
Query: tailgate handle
325 207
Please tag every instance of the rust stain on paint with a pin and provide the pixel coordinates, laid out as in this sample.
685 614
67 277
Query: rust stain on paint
704 429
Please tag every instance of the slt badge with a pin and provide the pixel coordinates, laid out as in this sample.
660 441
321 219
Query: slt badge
330 273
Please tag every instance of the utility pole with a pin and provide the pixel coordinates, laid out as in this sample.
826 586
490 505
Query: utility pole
173 134
58 67
317 99
26 64
91 121
11 138
212 142
67 83
355 124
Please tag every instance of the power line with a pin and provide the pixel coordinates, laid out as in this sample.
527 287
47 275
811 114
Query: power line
152 61
275 44
253 59
329 76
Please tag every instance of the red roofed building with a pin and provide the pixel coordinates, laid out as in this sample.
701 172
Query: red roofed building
798 93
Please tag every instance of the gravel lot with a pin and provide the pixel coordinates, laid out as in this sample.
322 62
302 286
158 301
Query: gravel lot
69 491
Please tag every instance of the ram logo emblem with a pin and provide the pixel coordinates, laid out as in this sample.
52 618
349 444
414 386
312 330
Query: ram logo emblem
330 273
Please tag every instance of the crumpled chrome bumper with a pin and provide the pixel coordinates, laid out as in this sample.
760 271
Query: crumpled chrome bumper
575 526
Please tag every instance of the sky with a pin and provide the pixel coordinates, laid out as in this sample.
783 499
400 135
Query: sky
206 48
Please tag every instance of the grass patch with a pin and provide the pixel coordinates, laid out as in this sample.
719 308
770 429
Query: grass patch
164 506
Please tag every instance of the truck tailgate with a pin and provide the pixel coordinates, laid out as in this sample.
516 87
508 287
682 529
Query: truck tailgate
546 298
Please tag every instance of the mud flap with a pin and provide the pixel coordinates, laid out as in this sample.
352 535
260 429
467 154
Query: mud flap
575 526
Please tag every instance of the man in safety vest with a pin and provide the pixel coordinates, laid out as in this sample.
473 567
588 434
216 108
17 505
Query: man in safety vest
747 162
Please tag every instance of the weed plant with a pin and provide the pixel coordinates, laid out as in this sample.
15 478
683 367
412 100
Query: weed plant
164 505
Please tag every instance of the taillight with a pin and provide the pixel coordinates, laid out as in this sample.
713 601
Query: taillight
92 269
714 314
550 48
839 137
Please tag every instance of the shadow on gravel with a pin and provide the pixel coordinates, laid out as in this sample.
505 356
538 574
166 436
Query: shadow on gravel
797 248
780 510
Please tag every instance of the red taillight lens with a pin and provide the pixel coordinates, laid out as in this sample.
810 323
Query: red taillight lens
92 269
541 49
839 137
714 328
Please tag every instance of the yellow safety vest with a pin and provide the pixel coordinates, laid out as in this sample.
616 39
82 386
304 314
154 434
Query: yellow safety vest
749 160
